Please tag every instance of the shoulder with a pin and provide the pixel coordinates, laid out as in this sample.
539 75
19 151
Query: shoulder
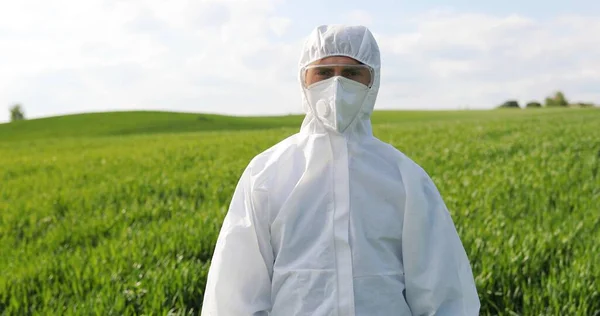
404 163
263 166
421 192
412 174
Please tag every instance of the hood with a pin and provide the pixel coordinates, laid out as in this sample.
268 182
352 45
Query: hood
341 40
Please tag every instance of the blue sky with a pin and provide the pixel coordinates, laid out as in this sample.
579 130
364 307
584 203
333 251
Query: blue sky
239 57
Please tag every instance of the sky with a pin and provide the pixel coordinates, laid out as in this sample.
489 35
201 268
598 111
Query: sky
240 57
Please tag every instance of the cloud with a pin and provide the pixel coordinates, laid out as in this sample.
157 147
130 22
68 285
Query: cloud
104 55
240 57
360 17
279 25
451 59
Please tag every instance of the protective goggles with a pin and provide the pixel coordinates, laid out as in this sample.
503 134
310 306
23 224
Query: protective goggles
312 74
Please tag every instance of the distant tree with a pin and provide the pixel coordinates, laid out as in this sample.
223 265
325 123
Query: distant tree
533 104
582 104
510 104
16 113
558 99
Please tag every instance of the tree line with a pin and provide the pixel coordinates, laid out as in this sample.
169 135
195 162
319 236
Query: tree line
556 100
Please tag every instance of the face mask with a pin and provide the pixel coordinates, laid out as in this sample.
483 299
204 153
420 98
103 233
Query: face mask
337 101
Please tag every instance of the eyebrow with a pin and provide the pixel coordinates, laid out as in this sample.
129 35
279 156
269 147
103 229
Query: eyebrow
324 68
344 66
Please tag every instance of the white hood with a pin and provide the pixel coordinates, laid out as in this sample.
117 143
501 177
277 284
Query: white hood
338 40
326 224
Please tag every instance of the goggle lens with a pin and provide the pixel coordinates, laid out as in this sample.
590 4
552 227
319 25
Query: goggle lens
316 73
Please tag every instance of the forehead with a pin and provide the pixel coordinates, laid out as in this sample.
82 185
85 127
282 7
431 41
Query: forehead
337 60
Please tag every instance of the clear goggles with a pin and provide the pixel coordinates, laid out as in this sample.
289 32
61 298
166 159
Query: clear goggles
360 73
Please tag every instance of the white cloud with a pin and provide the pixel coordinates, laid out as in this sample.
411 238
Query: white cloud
279 25
103 55
453 59
237 56
359 17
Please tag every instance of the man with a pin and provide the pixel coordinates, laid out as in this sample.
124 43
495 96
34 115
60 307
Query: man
332 221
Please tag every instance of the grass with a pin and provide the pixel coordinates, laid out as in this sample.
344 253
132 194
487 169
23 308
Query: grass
117 213
155 122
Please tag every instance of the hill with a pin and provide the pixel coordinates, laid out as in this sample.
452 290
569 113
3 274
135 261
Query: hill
134 122
157 122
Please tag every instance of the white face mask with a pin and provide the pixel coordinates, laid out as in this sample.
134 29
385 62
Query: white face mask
337 101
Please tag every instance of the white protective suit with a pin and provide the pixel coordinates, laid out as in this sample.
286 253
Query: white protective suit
338 223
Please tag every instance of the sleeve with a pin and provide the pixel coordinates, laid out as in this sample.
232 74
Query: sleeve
438 276
239 278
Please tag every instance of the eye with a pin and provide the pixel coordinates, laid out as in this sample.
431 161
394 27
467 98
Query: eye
324 72
352 73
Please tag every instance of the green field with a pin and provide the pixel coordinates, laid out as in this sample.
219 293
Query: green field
118 213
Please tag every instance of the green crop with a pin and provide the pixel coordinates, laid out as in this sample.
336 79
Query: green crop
119 219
